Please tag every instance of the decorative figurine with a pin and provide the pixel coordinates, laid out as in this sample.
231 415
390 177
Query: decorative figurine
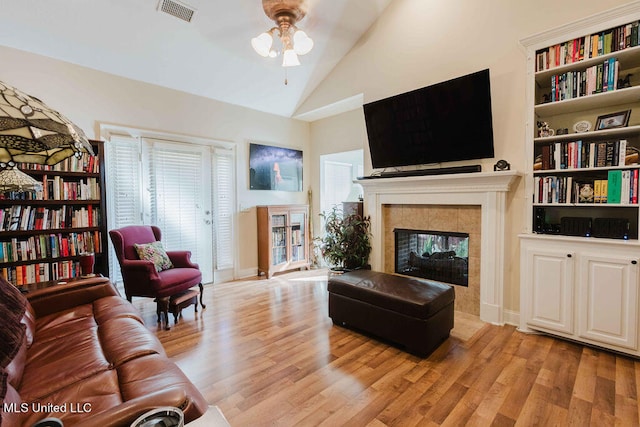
544 129
622 83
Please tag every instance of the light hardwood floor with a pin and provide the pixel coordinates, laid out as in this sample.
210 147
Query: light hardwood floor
266 353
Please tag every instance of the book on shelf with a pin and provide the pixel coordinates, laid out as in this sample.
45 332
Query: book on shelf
85 163
589 46
41 272
614 186
581 154
595 79
28 218
620 187
59 188
51 245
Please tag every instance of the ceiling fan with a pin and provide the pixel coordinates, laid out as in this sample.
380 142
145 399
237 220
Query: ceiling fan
294 41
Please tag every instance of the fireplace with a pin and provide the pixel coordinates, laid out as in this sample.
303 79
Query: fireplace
444 223
484 191
436 255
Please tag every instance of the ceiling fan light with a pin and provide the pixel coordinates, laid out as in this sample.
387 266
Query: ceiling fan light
299 35
262 44
302 43
290 58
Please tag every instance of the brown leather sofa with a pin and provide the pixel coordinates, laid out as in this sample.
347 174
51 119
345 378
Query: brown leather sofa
79 352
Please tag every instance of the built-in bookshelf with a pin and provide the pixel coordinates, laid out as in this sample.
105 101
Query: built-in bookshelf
43 233
587 139
580 254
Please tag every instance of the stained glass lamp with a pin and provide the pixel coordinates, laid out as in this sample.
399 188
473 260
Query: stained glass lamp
13 179
31 132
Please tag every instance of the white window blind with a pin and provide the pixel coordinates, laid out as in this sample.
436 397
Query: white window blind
186 189
223 207
124 201
175 194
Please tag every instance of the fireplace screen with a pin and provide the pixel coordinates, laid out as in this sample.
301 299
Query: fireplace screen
435 255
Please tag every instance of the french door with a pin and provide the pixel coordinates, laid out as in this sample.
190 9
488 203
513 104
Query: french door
178 190
185 189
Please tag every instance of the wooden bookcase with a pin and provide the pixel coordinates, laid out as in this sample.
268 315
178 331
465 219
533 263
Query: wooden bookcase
43 233
579 279
283 238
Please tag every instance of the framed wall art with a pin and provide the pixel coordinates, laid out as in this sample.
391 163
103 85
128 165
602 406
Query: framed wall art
274 168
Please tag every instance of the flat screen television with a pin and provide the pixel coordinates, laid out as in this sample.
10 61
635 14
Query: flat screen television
444 122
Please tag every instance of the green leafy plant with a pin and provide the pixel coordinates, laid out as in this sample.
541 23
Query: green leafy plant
346 243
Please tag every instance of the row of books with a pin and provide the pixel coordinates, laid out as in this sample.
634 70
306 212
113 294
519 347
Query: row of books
596 79
41 272
620 187
18 217
57 188
278 221
583 154
590 46
85 163
279 255
278 237
52 245
296 237
297 253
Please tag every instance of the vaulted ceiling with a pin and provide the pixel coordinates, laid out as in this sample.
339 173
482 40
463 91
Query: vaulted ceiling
210 56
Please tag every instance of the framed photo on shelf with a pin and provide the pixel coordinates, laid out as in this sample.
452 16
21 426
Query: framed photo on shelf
613 120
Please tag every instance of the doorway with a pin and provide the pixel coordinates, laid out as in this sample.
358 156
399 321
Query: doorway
337 173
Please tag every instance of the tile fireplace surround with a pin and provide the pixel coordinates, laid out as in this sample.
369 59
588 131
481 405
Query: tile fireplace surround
488 190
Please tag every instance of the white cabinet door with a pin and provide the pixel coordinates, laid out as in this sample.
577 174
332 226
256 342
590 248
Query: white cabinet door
608 299
549 274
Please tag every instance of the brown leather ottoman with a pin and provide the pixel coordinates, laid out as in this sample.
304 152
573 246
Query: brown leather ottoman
416 314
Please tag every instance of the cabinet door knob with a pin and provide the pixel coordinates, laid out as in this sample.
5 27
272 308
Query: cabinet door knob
569 255
634 262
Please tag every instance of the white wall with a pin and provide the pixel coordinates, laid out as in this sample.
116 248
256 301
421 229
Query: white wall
343 132
417 43
89 97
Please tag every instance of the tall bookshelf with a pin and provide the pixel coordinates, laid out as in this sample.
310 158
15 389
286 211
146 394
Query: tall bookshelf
580 252
42 234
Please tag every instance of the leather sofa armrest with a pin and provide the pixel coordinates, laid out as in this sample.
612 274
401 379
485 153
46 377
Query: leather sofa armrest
67 295
127 412
181 259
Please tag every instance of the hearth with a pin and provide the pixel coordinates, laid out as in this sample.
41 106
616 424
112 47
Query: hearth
437 255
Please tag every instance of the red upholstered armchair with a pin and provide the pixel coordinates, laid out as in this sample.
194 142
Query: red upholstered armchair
140 276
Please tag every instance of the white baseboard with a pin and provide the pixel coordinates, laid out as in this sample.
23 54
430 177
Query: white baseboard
512 317
247 273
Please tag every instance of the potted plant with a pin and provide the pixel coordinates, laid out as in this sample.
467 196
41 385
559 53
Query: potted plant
346 244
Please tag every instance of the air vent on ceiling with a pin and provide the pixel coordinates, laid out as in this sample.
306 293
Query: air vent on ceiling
179 10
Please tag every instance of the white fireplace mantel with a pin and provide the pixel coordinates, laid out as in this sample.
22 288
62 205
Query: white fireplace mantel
485 189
